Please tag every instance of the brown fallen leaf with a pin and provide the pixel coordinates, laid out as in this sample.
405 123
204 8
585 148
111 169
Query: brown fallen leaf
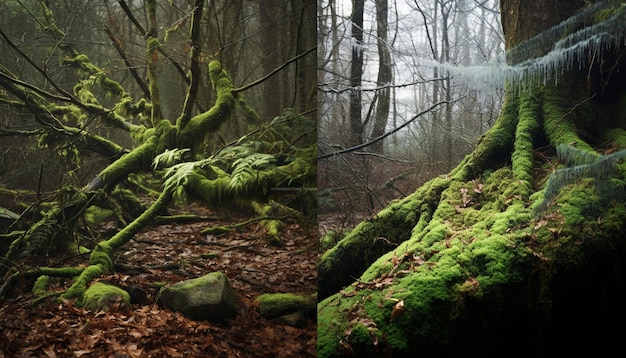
397 310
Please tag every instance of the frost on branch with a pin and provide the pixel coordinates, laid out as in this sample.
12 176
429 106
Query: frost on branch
574 44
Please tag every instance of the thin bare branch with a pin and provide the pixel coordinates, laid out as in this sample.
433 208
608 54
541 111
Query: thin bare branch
360 146
274 71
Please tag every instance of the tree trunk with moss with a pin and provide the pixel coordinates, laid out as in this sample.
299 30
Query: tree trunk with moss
172 151
519 250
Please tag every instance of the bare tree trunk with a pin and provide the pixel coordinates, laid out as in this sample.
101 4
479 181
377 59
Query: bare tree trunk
356 73
384 81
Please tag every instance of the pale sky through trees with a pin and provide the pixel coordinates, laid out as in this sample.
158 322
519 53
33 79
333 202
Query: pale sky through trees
476 48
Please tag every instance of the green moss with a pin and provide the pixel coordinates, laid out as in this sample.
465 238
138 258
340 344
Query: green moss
559 120
101 255
138 159
41 286
95 215
617 136
272 226
192 132
605 14
102 296
77 290
493 147
527 129
579 202
272 305
329 239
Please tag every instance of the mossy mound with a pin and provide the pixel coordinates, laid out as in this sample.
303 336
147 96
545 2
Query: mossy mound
106 297
273 305
488 268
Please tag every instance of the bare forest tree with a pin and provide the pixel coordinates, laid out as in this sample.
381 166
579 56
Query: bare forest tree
123 109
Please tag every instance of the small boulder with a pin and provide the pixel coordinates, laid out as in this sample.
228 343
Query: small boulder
106 297
209 297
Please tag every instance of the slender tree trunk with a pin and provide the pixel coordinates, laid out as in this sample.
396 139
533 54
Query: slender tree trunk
384 80
356 73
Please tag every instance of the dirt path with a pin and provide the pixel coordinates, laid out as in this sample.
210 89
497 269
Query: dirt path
168 254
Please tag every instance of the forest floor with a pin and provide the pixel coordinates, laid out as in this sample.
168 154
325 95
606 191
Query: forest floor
168 254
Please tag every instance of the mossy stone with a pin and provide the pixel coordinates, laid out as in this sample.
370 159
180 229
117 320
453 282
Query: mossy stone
104 296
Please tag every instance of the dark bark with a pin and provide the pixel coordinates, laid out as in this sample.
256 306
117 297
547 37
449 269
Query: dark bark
384 79
356 73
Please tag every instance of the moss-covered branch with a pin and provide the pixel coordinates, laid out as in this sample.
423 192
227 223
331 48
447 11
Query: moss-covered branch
101 259
194 131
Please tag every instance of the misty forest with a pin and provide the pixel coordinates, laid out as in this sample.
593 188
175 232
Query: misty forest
158 178
471 185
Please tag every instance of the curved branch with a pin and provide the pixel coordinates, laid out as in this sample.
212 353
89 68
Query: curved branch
274 71
129 67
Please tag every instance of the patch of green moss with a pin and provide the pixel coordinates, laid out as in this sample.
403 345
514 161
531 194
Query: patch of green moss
526 130
558 119
95 215
101 255
77 290
330 239
618 137
272 305
41 286
102 296
579 202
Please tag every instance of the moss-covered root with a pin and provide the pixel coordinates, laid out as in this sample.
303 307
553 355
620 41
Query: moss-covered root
559 118
374 237
274 212
43 275
528 127
495 145
100 261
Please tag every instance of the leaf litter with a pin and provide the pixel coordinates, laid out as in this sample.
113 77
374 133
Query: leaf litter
167 254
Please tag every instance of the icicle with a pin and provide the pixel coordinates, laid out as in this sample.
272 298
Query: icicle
530 68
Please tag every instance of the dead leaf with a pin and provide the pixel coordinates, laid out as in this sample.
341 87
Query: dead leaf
394 259
397 310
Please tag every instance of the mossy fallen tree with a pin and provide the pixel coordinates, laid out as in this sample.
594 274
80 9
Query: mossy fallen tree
274 155
519 250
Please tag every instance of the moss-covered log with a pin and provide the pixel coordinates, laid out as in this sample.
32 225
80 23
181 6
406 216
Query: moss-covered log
519 250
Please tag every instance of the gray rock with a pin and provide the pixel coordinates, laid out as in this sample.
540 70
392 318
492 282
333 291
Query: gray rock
209 297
